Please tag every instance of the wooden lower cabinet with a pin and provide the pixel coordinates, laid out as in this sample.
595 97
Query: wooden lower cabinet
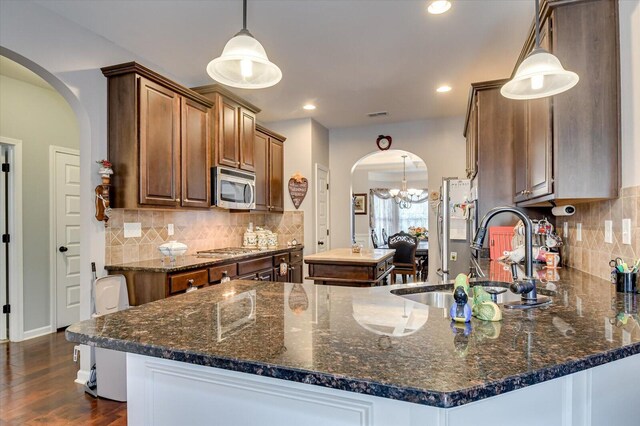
295 273
145 286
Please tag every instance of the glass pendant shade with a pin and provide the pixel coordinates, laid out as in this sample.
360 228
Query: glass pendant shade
244 64
540 75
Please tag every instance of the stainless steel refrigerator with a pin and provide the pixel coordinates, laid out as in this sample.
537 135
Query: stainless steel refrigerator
457 218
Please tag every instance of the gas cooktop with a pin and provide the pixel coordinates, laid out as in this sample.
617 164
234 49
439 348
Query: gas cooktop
227 251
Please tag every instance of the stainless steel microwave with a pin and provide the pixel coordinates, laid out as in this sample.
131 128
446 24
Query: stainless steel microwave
233 188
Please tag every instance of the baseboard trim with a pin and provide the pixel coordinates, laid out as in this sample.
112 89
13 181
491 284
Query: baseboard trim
37 332
82 377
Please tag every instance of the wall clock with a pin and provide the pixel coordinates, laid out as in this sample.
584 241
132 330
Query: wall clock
383 142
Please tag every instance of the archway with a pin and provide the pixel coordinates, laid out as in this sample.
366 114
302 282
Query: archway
389 191
17 295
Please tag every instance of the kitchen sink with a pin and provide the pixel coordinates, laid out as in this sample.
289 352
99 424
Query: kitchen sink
441 296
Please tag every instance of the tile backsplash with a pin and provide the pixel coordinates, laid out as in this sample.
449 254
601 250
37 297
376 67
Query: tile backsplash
592 254
199 230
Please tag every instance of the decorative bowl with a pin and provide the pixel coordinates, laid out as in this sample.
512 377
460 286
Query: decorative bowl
173 249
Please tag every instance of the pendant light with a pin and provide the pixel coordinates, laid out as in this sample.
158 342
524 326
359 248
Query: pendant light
244 63
540 74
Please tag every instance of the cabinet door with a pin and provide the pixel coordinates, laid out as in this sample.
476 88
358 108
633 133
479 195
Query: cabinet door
472 142
227 137
295 273
539 150
247 139
276 175
159 144
280 278
520 151
261 152
539 138
195 155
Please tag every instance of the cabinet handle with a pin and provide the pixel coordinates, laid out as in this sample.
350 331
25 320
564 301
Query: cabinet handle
381 269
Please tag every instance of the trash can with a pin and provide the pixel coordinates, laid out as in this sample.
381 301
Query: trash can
111 366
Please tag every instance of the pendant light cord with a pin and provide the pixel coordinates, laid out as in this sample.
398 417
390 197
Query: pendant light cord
537 24
244 14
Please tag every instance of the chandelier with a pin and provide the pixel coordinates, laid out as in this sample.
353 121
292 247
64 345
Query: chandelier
404 197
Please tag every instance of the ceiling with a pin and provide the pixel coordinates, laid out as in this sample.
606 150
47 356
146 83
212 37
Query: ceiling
16 71
348 57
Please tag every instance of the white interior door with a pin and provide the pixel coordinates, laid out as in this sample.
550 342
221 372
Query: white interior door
322 209
67 237
4 249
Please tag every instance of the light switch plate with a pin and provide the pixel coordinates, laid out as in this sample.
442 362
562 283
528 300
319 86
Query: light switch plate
132 230
453 256
626 231
579 232
565 230
608 231
170 229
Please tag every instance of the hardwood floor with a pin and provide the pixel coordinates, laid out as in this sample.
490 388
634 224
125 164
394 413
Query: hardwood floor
37 387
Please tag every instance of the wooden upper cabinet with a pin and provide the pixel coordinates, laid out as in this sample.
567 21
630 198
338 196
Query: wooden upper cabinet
491 146
159 144
247 139
276 175
261 152
572 139
227 132
234 128
269 153
158 140
195 156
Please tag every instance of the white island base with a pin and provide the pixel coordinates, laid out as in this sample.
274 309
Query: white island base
164 392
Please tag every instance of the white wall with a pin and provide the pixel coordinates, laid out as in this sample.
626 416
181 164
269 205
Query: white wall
629 14
40 118
439 142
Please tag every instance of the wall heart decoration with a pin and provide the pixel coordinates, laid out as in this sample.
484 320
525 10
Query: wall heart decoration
298 187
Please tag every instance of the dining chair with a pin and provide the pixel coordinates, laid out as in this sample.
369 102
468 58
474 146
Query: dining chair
374 239
385 237
404 259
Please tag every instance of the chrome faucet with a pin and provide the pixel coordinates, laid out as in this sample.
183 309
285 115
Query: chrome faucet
527 285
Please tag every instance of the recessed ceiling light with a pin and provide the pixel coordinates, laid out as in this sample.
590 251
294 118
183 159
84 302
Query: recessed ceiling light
309 107
436 7
443 89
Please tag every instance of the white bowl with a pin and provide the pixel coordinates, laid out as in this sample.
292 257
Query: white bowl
173 249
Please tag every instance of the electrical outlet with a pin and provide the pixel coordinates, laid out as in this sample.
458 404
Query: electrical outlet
132 230
579 232
608 231
170 229
565 230
453 256
626 231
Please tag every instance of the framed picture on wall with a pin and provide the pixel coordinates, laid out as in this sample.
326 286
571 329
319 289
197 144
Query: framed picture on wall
360 203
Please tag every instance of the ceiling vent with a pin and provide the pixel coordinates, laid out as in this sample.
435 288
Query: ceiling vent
377 114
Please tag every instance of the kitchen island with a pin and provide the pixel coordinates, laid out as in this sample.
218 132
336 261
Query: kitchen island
271 353
343 267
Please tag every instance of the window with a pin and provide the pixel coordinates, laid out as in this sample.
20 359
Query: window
387 215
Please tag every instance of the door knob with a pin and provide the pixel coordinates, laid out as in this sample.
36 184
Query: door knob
63 249
320 243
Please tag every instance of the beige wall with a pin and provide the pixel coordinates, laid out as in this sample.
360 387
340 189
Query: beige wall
40 118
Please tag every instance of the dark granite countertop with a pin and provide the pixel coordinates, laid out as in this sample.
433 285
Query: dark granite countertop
370 341
187 262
